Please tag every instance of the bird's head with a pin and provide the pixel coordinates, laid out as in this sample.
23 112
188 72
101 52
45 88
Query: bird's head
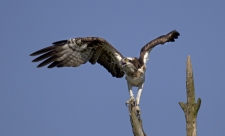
127 65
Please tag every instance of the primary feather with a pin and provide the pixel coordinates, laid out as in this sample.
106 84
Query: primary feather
77 51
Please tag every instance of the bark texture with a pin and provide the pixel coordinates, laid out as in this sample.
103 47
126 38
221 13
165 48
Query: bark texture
190 108
135 120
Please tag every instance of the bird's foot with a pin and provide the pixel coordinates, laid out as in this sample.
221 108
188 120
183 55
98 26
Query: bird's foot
130 100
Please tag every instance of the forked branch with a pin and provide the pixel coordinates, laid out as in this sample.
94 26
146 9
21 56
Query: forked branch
190 108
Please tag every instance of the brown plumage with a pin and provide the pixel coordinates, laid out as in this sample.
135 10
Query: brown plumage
170 37
77 51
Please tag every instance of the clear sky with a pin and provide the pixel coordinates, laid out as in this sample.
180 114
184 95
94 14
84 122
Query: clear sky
87 100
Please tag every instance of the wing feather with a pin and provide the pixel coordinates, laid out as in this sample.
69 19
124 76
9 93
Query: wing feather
44 56
77 51
44 50
96 54
47 61
54 64
170 37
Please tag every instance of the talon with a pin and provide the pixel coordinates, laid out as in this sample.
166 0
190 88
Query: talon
128 101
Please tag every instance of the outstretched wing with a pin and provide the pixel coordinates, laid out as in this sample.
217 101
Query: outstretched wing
77 51
170 37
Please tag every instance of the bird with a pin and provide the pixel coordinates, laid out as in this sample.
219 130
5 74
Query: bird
77 51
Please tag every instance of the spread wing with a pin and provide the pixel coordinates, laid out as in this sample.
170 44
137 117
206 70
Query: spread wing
170 37
77 51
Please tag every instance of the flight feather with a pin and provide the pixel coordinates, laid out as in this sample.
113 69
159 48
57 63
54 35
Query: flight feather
77 51
170 37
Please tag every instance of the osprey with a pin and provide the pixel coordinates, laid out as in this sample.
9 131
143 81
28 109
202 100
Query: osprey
77 51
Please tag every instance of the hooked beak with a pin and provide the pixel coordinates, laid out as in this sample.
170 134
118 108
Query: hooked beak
123 64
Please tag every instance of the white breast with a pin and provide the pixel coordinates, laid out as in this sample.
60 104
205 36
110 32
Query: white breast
137 81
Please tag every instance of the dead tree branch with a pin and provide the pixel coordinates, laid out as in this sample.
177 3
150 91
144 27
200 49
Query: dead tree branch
190 108
135 120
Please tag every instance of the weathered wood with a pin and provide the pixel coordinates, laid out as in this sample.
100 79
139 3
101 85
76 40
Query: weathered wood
190 108
135 120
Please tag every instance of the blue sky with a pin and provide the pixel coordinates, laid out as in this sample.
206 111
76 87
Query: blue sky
87 100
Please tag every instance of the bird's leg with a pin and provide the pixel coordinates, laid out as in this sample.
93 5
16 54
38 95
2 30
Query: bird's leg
130 92
140 88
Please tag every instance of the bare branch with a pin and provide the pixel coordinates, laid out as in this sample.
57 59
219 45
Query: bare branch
190 108
135 120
